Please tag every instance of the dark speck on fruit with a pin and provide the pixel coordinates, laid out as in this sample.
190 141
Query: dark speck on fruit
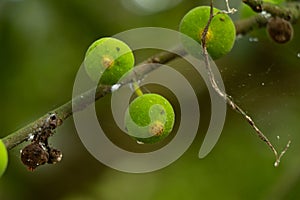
117 48
222 19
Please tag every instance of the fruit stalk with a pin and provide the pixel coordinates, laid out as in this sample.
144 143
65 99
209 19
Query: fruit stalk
137 89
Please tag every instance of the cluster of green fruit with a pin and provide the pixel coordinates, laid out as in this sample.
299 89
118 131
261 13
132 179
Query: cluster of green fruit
150 117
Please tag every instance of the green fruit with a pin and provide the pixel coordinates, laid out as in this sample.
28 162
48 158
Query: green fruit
3 158
108 58
246 11
221 33
150 118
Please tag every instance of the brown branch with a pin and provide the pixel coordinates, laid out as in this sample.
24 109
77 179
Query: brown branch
245 26
290 12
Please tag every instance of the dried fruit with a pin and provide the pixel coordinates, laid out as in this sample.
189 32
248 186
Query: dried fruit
280 30
34 155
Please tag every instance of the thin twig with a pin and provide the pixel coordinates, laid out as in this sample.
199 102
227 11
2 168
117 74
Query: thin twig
229 10
228 99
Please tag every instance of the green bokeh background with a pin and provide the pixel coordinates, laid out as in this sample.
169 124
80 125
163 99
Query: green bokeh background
42 45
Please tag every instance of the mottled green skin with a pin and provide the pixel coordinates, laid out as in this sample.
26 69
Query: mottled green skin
221 36
3 158
120 54
246 11
146 110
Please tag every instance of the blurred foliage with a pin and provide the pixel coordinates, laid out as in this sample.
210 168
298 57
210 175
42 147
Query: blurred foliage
42 46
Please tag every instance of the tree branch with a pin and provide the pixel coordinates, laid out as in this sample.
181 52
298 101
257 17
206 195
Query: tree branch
245 26
289 12
81 102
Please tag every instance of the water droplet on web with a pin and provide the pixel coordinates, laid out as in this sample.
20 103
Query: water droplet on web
253 39
262 84
239 36
139 142
115 87
30 137
249 74
278 137
265 14
298 55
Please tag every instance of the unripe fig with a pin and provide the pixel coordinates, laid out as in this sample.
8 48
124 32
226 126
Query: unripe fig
221 33
150 118
3 158
108 59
